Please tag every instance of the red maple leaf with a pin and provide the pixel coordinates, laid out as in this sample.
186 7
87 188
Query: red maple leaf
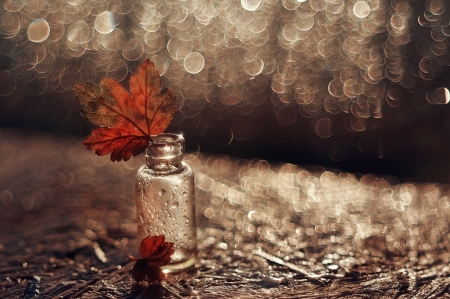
155 253
127 121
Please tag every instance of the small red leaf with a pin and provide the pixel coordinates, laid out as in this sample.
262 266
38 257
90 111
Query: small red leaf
139 271
128 121
149 245
155 253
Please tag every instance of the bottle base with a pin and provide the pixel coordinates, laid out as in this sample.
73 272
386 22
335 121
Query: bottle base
179 267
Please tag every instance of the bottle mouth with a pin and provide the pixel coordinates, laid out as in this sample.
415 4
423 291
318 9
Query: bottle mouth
166 139
165 145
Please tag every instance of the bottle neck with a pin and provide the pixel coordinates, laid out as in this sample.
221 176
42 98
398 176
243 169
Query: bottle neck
164 152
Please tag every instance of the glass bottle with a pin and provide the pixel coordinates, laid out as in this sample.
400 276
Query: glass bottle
165 199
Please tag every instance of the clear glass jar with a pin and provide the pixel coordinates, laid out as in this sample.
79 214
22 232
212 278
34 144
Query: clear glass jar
165 199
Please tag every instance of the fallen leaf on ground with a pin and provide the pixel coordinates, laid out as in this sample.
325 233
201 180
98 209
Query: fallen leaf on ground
155 253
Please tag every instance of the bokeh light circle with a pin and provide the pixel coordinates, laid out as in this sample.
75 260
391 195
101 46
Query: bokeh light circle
13 5
38 31
438 96
324 127
79 32
361 9
442 95
104 22
250 5
194 63
7 83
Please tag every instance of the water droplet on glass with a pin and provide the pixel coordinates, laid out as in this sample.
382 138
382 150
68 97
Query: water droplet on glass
174 205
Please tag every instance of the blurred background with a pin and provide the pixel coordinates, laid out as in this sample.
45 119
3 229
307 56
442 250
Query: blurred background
358 85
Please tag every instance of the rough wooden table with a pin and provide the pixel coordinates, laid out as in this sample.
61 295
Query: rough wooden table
265 231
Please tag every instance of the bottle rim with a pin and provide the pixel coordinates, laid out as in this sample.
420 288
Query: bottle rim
165 146
165 139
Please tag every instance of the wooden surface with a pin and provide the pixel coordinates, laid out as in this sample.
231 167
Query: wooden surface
265 231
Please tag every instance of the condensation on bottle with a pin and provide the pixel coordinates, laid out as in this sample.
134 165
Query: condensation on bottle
165 199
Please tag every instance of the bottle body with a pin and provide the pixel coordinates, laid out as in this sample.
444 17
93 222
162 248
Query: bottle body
165 203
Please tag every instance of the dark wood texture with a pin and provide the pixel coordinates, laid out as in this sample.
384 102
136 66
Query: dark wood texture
67 226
